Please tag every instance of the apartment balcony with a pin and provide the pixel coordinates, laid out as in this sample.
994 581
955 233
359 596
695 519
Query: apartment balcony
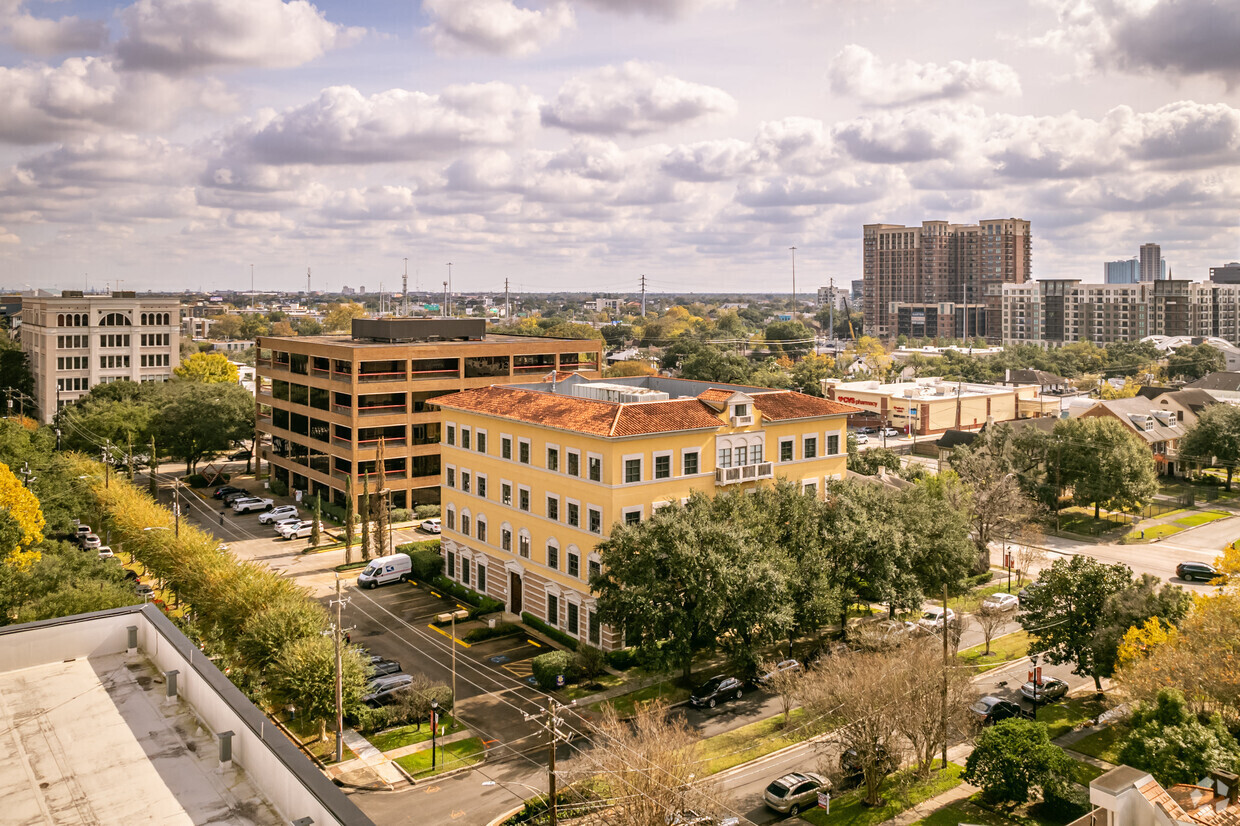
744 473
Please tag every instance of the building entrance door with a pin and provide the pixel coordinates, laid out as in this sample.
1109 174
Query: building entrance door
514 592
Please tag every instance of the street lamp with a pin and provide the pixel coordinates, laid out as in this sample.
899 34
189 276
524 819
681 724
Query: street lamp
1034 659
453 617
434 726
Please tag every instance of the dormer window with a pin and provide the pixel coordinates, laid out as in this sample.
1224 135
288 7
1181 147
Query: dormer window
740 410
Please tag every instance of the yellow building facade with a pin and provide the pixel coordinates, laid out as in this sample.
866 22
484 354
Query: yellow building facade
535 476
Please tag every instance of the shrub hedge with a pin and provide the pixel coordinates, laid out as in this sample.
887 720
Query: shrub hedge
622 659
426 565
501 629
548 667
554 633
481 604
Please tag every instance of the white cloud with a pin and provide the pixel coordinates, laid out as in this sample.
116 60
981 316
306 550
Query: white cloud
342 126
858 72
911 136
84 95
178 36
44 36
496 26
708 161
1182 37
100 160
632 100
666 9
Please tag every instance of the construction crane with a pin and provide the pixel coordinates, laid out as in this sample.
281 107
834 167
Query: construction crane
848 310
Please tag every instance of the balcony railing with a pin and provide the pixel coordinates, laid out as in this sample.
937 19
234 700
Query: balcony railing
381 410
744 473
395 376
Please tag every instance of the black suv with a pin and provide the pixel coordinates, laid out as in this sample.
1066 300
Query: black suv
1189 571
716 690
221 492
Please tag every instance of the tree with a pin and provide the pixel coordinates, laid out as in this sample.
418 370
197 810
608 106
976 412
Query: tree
208 368
1015 758
273 627
1027 551
21 522
790 337
363 508
1214 439
226 327
316 530
650 764
1194 361
339 317
1105 464
282 328
196 419
997 504
1065 613
711 364
786 685
350 514
677 582
15 368
989 620
1146 599
635 367
859 689
1171 743
304 674
808 373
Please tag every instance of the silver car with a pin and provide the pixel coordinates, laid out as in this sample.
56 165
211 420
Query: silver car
795 792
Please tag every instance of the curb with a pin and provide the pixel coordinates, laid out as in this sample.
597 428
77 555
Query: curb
498 819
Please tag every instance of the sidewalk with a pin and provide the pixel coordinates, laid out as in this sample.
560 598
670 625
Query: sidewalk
369 763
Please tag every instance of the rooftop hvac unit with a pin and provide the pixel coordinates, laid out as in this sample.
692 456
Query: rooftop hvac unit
618 393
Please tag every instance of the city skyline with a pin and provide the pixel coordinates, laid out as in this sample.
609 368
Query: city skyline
172 144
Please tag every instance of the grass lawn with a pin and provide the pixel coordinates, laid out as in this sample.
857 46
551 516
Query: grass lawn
1002 649
452 756
626 705
1061 718
394 738
900 791
1084 772
1155 532
966 811
1081 521
1104 744
723 751
577 691
1201 518
307 732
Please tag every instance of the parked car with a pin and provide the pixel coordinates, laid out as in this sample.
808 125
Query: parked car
91 542
82 531
850 762
794 792
224 490
301 530
382 690
1025 593
1049 690
932 618
277 514
380 666
861 439
233 496
431 525
990 710
861 431
1189 571
252 504
284 523
1001 602
716 690
240 455
106 553
781 667
891 432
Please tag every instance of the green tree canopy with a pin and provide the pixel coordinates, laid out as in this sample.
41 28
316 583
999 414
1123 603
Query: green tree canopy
1015 758
789 337
1066 611
1172 744
304 674
1104 463
197 419
1214 439
1194 361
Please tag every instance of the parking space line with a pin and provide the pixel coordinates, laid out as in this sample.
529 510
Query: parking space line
535 644
461 643
500 651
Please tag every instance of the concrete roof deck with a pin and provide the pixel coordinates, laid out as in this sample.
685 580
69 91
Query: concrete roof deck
346 340
90 741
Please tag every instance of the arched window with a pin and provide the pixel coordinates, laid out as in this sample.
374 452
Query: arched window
553 554
115 320
143 319
450 518
60 320
166 320
523 543
481 527
465 522
505 537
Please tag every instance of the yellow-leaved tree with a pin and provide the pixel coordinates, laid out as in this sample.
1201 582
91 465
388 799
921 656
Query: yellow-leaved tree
208 368
21 522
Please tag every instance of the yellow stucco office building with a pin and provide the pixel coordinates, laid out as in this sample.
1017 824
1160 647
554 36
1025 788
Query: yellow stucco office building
535 475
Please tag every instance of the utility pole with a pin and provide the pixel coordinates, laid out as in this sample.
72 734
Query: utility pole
643 296
307 282
831 311
107 449
443 311
945 662
794 282
551 723
337 632
176 506
404 289
506 310
449 288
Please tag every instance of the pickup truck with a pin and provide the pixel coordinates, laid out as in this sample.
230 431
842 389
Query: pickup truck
252 504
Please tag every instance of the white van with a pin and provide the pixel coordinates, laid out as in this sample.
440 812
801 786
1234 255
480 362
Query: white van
385 569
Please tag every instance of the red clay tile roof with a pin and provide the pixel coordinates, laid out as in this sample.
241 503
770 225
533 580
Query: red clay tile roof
1158 797
716 394
784 404
590 416
1204 804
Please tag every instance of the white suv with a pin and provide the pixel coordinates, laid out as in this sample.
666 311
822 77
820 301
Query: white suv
276 514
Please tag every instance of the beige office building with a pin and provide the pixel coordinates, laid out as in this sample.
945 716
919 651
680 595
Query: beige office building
75 341
327 401
934 405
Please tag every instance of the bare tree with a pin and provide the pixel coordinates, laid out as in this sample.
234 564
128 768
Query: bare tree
922 677
989 620
1028 550
862 688
648 768
787 685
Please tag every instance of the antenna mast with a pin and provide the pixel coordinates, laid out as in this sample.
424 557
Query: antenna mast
404 288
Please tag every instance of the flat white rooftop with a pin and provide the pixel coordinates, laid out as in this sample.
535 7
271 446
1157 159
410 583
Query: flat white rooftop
91 741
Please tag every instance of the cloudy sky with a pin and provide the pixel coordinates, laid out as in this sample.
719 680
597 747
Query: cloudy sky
576 144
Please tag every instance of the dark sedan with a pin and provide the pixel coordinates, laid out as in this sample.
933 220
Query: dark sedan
221 492
379 666
716 690
991 710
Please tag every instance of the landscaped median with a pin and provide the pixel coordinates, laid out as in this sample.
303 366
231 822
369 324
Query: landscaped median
1003 649
449 757
900 791
1191 520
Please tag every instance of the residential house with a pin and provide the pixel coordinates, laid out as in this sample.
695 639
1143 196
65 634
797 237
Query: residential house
1159 424
1125 796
